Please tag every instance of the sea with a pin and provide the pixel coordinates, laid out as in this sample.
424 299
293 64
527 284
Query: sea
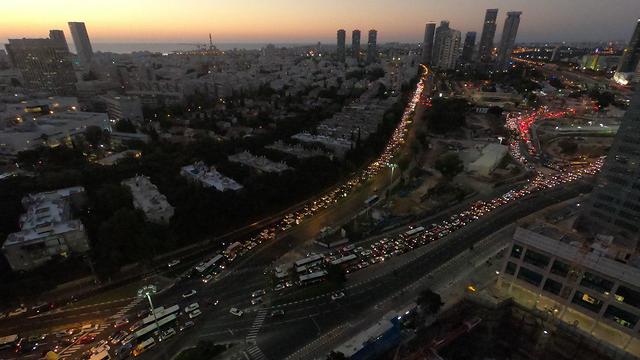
165 48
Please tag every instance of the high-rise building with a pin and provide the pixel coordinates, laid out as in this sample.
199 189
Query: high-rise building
631 56
441 31
427 44
81 41
341 49
614 208
58 35
469 44
508 40
44 65
488 33
446 47
355 44
372 47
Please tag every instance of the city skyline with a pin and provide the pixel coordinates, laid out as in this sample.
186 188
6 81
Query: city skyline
290 22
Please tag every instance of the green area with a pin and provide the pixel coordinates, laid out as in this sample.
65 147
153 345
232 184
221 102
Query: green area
205 350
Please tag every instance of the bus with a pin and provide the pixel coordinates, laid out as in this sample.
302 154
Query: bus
149 329
160 313
304 264
371 200
233 249
143 346
413 232
344 260
207 267
7 342
103 355
313 277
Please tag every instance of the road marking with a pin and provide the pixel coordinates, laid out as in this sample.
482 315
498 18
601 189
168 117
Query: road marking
255 353
255 328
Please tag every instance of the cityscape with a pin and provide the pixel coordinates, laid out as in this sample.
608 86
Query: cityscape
375 180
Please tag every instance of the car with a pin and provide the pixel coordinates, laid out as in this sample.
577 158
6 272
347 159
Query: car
117 337
337 295
21 310
195 313
60 334
189 294
173 263
277 313
123 351
214 302
187 325
167 334
236 311
143 314
289 284
279 287
121 323
191 307
256 301
257 293
207 278
40 307
86 339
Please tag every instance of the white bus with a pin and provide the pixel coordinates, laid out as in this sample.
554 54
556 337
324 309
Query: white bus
233 248
313 277
303 264
147 330
143 346
412 232
372 200
207 267
103 355
345 259
160 313
9 341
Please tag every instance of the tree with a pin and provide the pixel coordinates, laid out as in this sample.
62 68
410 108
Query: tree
447 115
429 301
94 135
449 165
125 125
336 355
336 274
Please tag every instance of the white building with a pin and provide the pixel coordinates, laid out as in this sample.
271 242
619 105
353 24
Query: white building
492 155
209 177
46 230
260 163
124 108
147 198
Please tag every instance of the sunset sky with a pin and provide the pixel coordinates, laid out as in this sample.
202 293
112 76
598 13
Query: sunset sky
283 21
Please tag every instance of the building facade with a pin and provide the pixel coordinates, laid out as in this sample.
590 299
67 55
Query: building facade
124 108
488 33
148 199
47 230
427 44
341 46
469 45
372 47
446 48
508 40
44 65
574 283
631 56
81 41
355 44
58 35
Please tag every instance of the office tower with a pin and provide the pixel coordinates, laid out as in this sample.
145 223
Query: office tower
341 45
81 41
44 65
631 56
355 44
555 55
372 48
427 44
441 30
58 35
448 49
614 208
508 40
469 44
488 33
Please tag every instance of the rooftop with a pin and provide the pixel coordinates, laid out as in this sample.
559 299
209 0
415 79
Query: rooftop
259 162
210 177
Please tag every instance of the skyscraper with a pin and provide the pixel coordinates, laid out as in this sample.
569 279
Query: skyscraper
448 49
508 40
427 44
488 33
631 55
81 41
441 32
469 44
372 47
614 207
44 65
355 44
58 35
341 49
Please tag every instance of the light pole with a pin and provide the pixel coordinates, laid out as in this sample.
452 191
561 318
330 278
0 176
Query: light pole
147 291
392 166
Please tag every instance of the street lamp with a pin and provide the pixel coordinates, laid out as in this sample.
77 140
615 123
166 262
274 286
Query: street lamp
392 166
146 292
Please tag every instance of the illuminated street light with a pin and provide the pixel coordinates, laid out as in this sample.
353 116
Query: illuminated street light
146 292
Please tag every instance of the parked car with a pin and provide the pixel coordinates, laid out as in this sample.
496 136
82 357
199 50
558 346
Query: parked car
236 311
191 307
189 294
277 313
257 293
256 301
167 334
195 313
187 325
337 295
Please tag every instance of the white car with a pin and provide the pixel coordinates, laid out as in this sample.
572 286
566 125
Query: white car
256 301
189 294
279 287
207 278
337 295
191 307
257 293
167 334
195 313
21 310
236 311
173 263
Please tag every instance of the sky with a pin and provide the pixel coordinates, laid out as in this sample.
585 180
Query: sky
299 21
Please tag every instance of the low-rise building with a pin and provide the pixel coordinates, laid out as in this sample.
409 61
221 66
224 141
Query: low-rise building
124 108
259 163
492 155
47 230
209 177
147 198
